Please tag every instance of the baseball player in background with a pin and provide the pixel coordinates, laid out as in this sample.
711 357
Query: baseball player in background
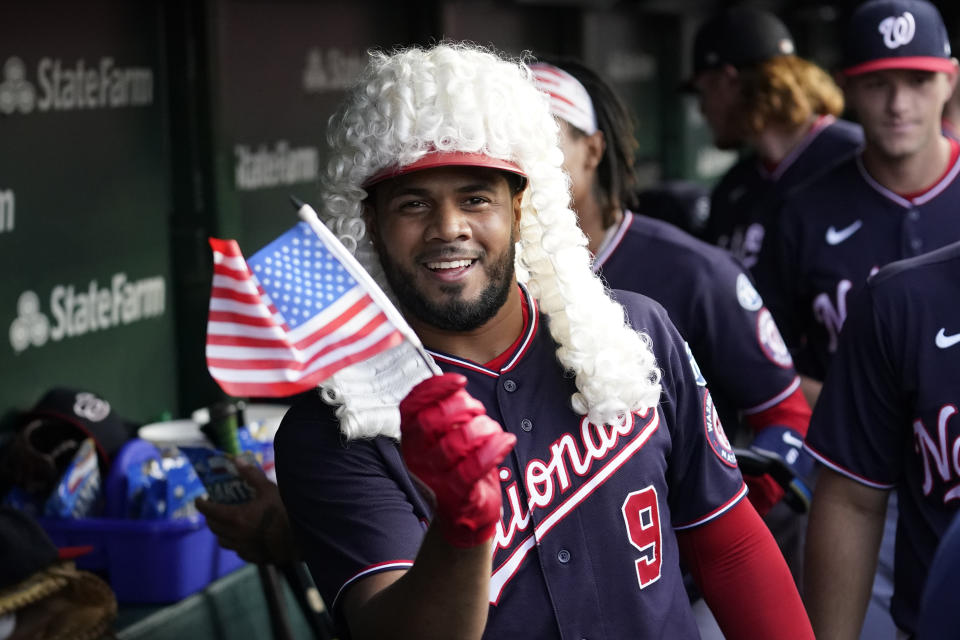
706 294
897 198
886 421
756 93
572 460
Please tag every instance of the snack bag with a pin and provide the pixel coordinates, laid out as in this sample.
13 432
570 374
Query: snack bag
79 490
153 506
183 485
261 450
163 488
140 476
219 474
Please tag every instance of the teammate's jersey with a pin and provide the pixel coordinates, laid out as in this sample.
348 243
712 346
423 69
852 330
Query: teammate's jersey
939 616
887 416
832 236
585 547
714 306
748 197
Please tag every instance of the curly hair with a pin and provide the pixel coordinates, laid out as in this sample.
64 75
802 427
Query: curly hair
787 91
458 97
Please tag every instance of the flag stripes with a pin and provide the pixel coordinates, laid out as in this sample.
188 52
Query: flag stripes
251 348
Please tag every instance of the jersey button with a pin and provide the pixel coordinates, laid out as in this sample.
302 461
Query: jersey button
916 244
526 424
914 215
563 556
510 385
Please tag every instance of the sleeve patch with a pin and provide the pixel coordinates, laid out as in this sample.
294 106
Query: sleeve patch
771 341
701 381
748 297
715 434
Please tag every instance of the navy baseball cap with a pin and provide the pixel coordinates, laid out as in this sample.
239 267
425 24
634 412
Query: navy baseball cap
64 413
740 36
896 34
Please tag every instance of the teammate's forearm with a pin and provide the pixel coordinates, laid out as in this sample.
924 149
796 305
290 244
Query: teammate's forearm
444 595
792 412
843 537
744 578
811 389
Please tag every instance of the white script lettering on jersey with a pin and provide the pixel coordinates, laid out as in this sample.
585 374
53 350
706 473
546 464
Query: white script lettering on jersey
831 315
898 30
944 455
546 481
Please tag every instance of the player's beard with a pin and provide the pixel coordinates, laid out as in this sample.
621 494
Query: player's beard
453 313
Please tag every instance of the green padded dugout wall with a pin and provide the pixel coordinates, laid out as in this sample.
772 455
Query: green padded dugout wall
85 292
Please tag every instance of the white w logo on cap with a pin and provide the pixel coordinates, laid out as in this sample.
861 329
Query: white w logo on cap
898 30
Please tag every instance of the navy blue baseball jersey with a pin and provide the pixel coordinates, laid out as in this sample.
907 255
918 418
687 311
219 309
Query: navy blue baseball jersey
749 196
713 304
887 416
832 235
939 616
585 547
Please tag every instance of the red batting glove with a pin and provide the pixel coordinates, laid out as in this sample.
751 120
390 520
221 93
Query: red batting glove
764 493
452 446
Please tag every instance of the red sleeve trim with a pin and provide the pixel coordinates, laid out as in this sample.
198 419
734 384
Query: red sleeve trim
775 400
846 472
390 565
716 512
792 411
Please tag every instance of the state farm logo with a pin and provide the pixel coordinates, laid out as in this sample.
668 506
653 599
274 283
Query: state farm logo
62 86
16 94
331 70
31 327
630 66
898 30
77 312
263 167
8 202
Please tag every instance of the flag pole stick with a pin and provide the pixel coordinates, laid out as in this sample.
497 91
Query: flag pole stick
356 270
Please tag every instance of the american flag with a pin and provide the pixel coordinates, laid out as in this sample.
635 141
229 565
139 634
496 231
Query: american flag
291 316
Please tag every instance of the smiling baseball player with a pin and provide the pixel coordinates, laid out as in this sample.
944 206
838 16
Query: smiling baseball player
896 199
570 460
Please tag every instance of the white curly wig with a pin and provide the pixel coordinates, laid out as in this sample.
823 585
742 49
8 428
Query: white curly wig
457 97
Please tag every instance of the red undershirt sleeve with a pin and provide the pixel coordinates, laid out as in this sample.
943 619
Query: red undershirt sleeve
792 412
743 577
